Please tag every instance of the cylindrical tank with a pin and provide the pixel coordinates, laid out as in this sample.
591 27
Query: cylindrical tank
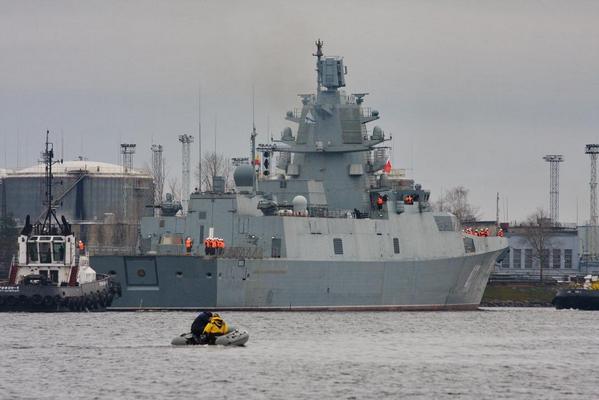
83 191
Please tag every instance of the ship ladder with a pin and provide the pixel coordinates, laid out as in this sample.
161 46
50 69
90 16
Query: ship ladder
73 276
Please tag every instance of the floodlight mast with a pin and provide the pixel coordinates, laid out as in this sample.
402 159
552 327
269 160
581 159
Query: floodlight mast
592 150
554 160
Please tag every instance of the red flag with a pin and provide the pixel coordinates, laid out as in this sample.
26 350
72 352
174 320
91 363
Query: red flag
387 167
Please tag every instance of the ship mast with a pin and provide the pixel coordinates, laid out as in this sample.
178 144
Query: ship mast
253 147
319 43
46 226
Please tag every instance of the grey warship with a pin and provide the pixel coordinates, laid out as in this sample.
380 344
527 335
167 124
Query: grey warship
333 231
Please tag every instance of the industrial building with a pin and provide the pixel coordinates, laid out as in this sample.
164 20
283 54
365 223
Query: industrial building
104 202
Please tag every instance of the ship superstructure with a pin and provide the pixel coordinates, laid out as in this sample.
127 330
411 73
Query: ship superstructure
329 228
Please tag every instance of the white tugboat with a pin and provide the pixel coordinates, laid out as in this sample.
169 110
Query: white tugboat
52 272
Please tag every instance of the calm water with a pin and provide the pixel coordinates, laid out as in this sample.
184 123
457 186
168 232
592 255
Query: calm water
494 354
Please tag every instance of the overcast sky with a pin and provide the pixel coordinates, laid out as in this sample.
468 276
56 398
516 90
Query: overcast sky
473 92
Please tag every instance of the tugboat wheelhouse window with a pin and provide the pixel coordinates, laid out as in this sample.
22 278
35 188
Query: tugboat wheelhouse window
58 248
32 251
45 253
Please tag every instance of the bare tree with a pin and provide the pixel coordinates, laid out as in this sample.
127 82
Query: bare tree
214 164
455 201
538 231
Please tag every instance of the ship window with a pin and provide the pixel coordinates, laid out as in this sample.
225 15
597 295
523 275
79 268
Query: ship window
528 258
201 214
58 251
396 245
567 258
469 245
44 273
209 275
54 276
141 272
179 274
45 253
446 223
282 184
338 246
32 251
161 223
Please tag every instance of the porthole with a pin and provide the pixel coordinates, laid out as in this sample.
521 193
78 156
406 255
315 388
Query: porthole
112 272
141 272
179 274
209 275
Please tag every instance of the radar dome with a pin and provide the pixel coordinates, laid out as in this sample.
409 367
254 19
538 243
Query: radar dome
244 175
299 204
377 133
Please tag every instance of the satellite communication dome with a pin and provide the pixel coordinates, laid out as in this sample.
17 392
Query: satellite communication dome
244 175
299 203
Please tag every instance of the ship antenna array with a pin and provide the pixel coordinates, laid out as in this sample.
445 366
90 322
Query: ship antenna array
592 150
554 160
253 145
48 159
319 43
185 140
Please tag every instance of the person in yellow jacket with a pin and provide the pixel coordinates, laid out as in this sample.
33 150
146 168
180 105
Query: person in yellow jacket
215 327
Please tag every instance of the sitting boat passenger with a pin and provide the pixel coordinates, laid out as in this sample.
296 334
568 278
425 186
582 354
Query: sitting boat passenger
216 327
198 325
207 327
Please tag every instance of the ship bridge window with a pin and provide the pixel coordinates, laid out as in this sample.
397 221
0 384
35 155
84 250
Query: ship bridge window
45 253
469 245
32 251
58 248
338 246
446 223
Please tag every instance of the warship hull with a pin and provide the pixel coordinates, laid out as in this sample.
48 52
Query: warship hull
194 282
